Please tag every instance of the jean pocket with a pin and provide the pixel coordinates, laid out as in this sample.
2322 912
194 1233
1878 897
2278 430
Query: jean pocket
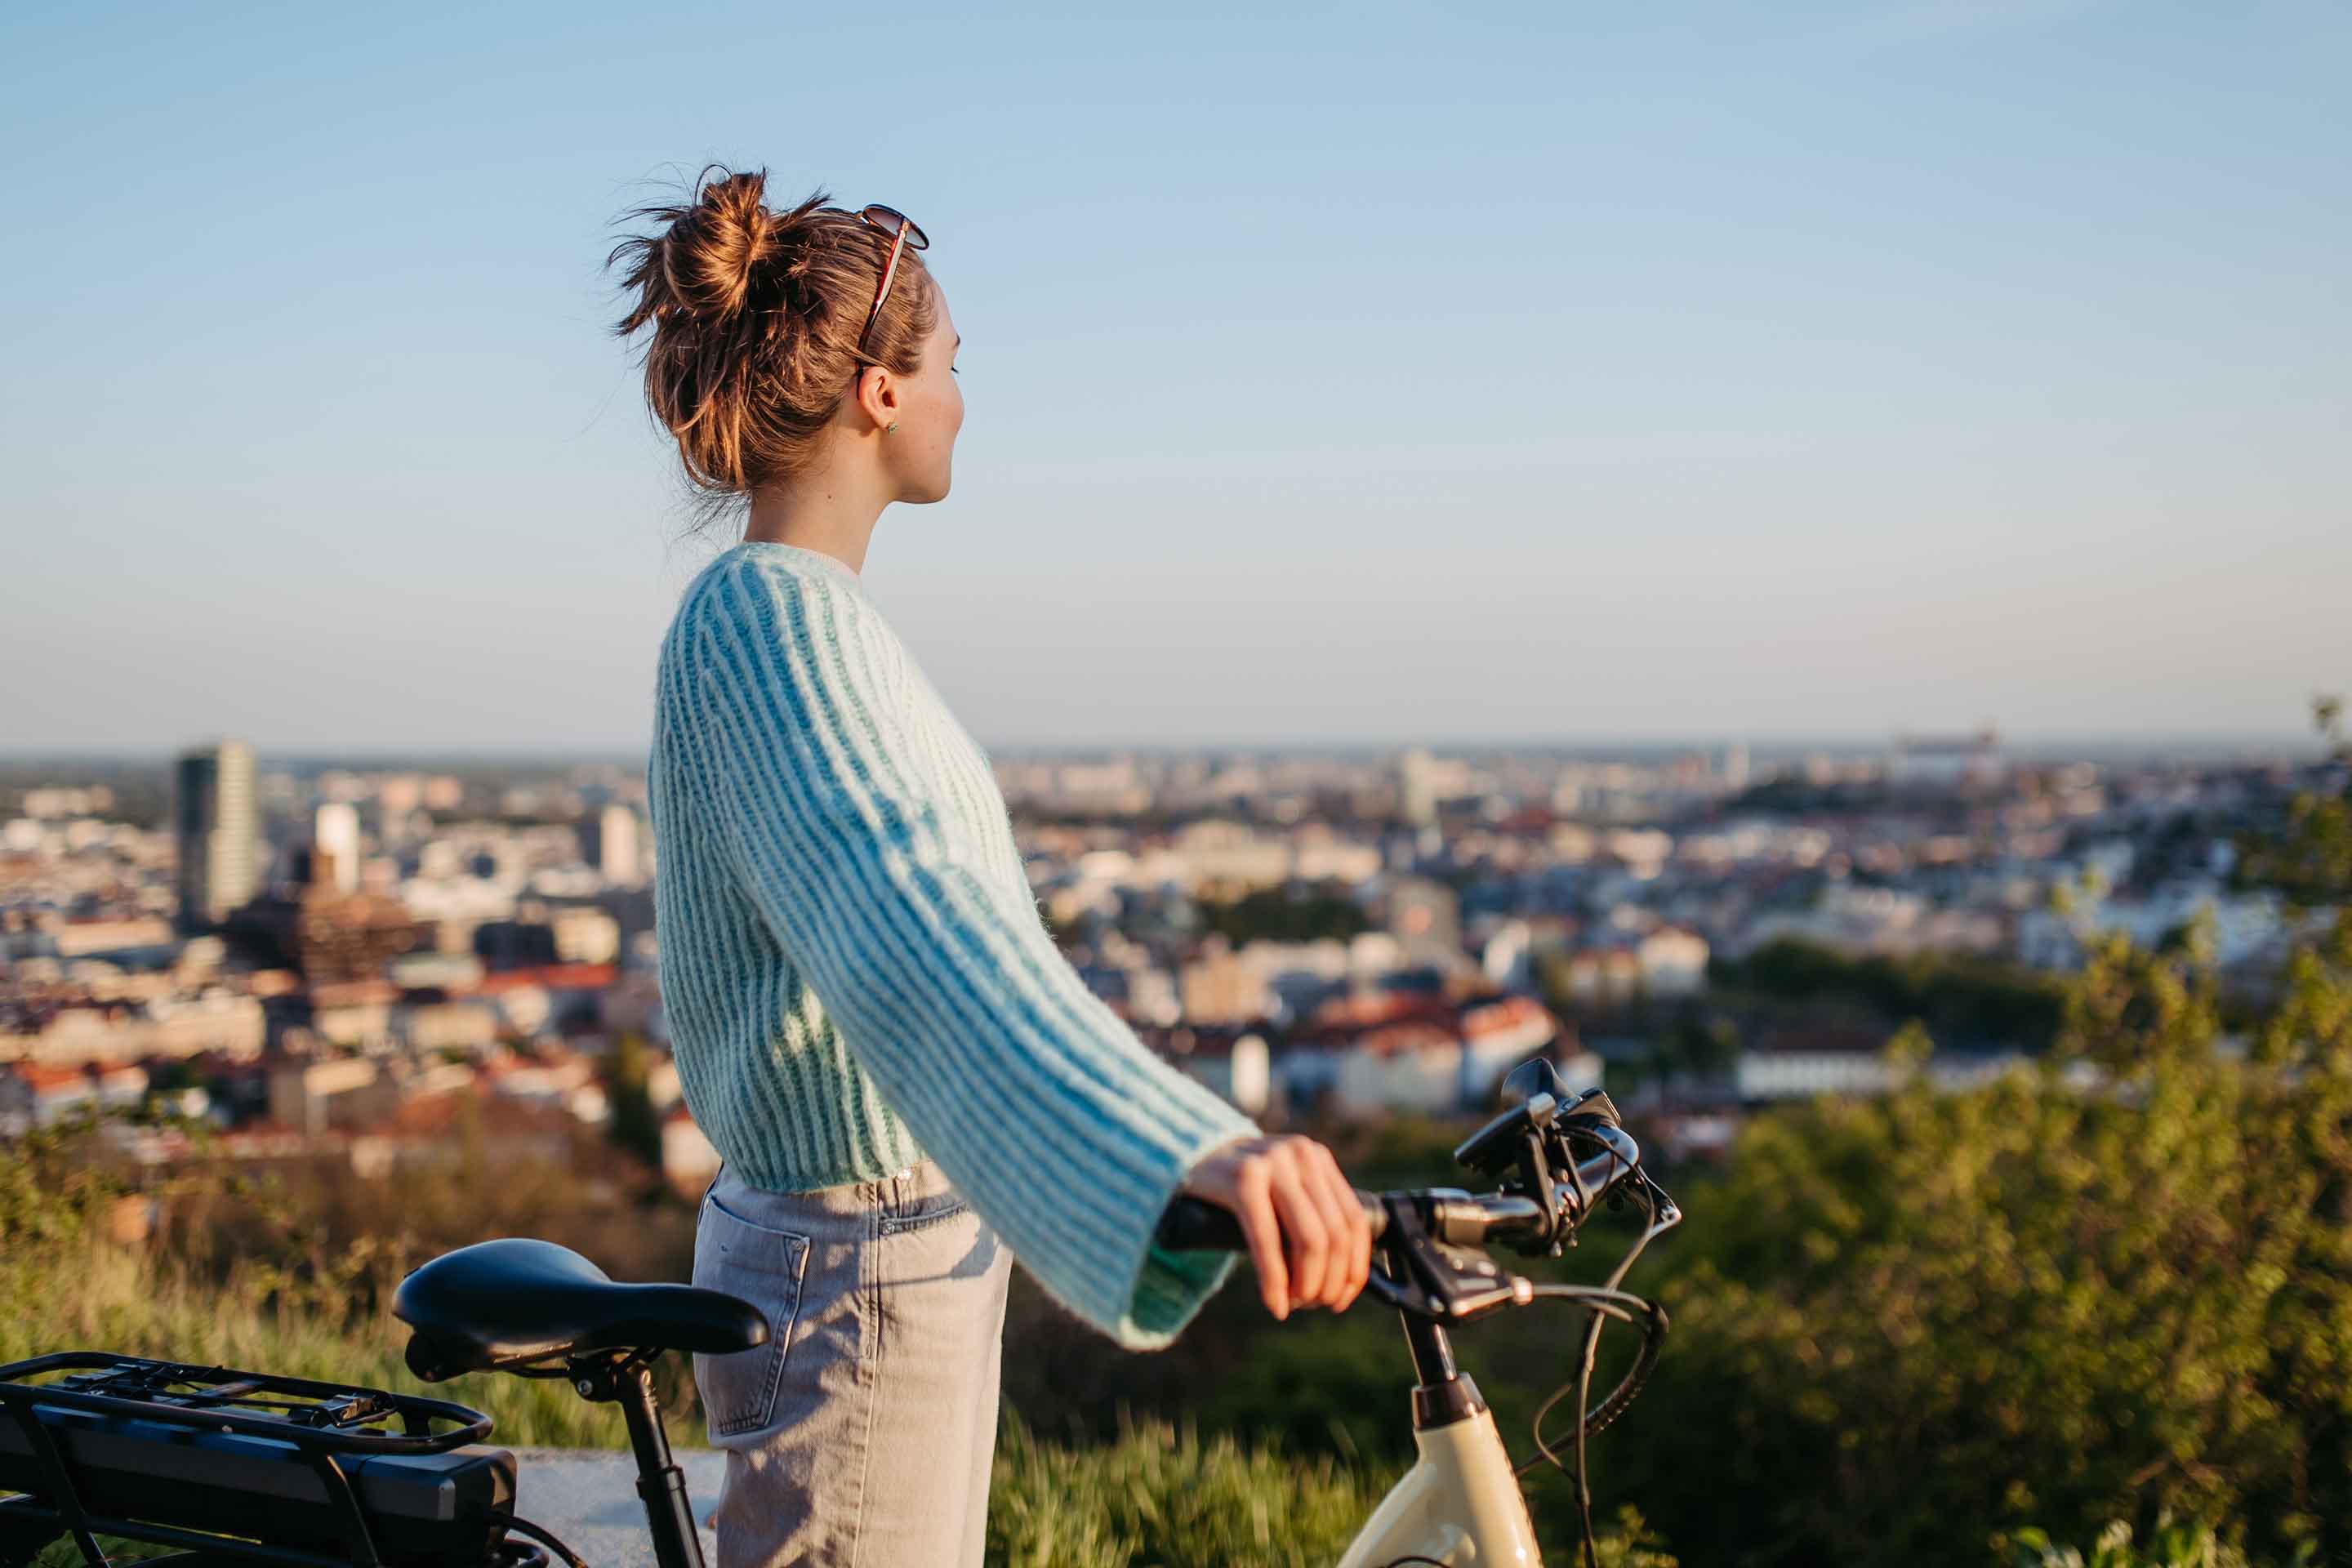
916 1213
767 1267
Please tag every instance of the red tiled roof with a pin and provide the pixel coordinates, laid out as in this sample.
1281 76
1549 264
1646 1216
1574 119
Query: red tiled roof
1344 1016
41 1077
1509 1014
1397 1039
434 1116
554 976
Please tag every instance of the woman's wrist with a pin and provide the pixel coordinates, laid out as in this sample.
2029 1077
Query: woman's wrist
1206 1177
1304 1223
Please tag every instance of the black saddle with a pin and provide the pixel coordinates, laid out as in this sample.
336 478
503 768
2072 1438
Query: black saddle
514 1301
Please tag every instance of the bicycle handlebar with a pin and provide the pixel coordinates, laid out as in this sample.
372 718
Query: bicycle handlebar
1197 1225
1450 1214
1432 1264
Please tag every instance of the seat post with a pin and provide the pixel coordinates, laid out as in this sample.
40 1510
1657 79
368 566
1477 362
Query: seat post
661 1485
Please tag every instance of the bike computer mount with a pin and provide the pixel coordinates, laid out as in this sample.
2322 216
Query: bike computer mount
1542 1143
1556 1151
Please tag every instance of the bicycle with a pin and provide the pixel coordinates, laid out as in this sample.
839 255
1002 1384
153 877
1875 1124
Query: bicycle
237 1468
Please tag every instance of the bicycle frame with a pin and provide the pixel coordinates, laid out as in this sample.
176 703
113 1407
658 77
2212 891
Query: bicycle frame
1460 1500
1459 1503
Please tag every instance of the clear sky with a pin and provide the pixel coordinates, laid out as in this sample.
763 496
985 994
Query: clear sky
1361 372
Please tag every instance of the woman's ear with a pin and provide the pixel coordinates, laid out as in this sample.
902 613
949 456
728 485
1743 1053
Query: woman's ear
877 394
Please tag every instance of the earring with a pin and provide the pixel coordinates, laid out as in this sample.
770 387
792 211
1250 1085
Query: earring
891 426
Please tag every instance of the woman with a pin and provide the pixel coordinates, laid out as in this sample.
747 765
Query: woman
908 1086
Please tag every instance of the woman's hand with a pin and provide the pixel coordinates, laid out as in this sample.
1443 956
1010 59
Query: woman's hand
1308 1236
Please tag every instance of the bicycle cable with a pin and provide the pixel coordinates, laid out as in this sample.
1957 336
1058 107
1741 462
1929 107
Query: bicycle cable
541 1534
1601 1301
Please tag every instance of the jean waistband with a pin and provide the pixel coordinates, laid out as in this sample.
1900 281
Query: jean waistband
922 1179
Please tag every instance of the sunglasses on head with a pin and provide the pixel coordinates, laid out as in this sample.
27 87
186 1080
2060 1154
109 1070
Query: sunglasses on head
904 235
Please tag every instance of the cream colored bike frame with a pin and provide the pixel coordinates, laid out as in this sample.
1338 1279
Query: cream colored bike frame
1460 1504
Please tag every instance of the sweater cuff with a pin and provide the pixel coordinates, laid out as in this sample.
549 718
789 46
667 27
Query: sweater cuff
1170 1287
1170 1292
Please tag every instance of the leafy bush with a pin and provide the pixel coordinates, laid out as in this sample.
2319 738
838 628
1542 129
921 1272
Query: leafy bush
1903 1325
1962 998
305 1306
2171 1546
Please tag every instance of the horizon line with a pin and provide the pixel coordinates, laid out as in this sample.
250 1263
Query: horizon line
1684 742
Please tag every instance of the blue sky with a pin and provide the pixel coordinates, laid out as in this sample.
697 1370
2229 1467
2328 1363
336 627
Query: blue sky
1349 373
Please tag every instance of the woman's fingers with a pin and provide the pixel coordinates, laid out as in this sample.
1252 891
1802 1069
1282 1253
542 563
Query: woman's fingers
1304 1226
1351 1230
1254 1203
1335 1201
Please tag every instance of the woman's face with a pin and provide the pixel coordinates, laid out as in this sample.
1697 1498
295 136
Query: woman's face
921 451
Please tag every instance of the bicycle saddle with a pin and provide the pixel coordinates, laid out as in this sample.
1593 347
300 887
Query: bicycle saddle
515 1300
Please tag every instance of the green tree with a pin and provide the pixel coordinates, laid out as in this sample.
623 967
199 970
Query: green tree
1285 914
636 1125
2114 1286
2311 860
1701 1047
1961 997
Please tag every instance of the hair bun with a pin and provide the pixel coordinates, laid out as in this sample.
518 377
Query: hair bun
713 246
756 319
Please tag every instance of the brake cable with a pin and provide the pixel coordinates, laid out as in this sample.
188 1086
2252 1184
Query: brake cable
1604 1300
537 1532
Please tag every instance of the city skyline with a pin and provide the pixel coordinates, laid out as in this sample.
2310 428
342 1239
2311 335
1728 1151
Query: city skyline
2305 745
1360 377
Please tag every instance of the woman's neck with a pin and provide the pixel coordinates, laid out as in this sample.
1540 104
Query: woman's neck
833 511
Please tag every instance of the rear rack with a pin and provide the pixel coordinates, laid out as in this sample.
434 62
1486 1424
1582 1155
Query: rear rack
208 1458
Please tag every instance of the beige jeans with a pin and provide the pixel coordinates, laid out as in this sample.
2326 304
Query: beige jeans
862 1434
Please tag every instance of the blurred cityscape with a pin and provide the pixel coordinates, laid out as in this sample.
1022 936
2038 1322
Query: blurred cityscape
325 961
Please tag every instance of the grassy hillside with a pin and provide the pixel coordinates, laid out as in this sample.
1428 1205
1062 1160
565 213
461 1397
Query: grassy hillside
1147 1490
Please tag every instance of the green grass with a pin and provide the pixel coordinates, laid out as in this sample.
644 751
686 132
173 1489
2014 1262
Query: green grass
1157 1495
1153 1497
1161 1495
98 1297
1149 1493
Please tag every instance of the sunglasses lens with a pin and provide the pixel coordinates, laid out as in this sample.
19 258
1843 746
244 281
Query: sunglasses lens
891 218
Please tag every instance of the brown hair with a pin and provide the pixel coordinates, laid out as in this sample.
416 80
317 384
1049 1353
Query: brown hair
756 316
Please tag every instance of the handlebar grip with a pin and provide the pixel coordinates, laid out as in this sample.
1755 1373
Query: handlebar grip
1196 1224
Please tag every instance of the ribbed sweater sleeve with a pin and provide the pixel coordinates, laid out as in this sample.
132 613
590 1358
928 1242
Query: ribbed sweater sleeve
1059 1126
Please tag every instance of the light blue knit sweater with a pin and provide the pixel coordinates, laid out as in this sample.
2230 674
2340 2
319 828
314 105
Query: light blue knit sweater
854 970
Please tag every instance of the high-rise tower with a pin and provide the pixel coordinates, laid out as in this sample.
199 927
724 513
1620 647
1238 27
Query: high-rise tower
1416 783
213 812
335 830
612 846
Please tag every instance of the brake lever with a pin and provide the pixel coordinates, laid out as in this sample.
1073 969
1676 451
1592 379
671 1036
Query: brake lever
1450 1284
1665 1212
